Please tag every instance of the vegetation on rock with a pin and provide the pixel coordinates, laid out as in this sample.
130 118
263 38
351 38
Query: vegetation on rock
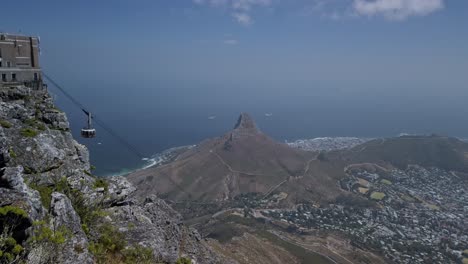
34 123
377 196
183 260
28 132
5 124
44 234
11 217
101 183
111 247
12 153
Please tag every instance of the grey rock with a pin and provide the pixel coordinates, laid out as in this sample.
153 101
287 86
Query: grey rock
119 190
56 119
11 178
154 224
64 216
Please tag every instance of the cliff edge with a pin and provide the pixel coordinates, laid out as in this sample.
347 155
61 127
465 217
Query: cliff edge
53 210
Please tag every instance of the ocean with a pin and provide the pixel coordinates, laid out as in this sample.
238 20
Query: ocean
154 120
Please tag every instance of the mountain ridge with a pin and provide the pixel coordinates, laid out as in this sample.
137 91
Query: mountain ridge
245 160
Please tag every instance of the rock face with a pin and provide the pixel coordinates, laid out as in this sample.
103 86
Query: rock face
63 214
46 173
154 224
246 122
11 179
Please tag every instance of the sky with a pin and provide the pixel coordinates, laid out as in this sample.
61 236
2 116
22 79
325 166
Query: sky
411 51
156 69
255 41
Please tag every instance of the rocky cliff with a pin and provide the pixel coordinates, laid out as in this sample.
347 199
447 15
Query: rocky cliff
53 210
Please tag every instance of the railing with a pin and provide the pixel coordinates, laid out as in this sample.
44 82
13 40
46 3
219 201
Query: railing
35 85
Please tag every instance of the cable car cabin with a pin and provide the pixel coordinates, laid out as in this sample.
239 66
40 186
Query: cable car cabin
88 132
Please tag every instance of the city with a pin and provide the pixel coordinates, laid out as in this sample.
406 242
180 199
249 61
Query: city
420 218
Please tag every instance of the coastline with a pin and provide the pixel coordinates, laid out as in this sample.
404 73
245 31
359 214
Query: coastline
155 160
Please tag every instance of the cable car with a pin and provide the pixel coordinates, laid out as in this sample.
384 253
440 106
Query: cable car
89 131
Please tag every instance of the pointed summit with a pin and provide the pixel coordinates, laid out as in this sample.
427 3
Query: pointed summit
246 122
242 161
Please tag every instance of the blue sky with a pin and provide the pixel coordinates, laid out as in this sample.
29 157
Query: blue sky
250 40
323 67
335 48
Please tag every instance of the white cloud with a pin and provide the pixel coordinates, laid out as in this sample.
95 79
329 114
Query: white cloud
240 9
246 5
243 18
231 42
397 9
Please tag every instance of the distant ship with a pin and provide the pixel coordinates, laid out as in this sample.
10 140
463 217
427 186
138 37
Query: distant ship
211 117
268 114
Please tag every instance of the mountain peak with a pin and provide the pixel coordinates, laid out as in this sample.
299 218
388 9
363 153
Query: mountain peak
245 122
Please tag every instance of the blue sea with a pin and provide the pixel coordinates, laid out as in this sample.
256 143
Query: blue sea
154 117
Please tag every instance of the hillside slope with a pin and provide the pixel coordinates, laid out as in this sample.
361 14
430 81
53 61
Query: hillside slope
427 151
244 160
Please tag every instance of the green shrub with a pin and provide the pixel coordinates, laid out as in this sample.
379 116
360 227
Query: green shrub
34 123
61 185
41 126
28 132
130 226
30 122
9 249
88 212
12 210
10 218
12 152
138 255
110 247
44 234
111 242
183 260
59 128
51 239
45 192
5 124
101 183
28 170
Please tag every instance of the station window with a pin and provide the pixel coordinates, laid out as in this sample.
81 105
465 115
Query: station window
4 77
13 76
